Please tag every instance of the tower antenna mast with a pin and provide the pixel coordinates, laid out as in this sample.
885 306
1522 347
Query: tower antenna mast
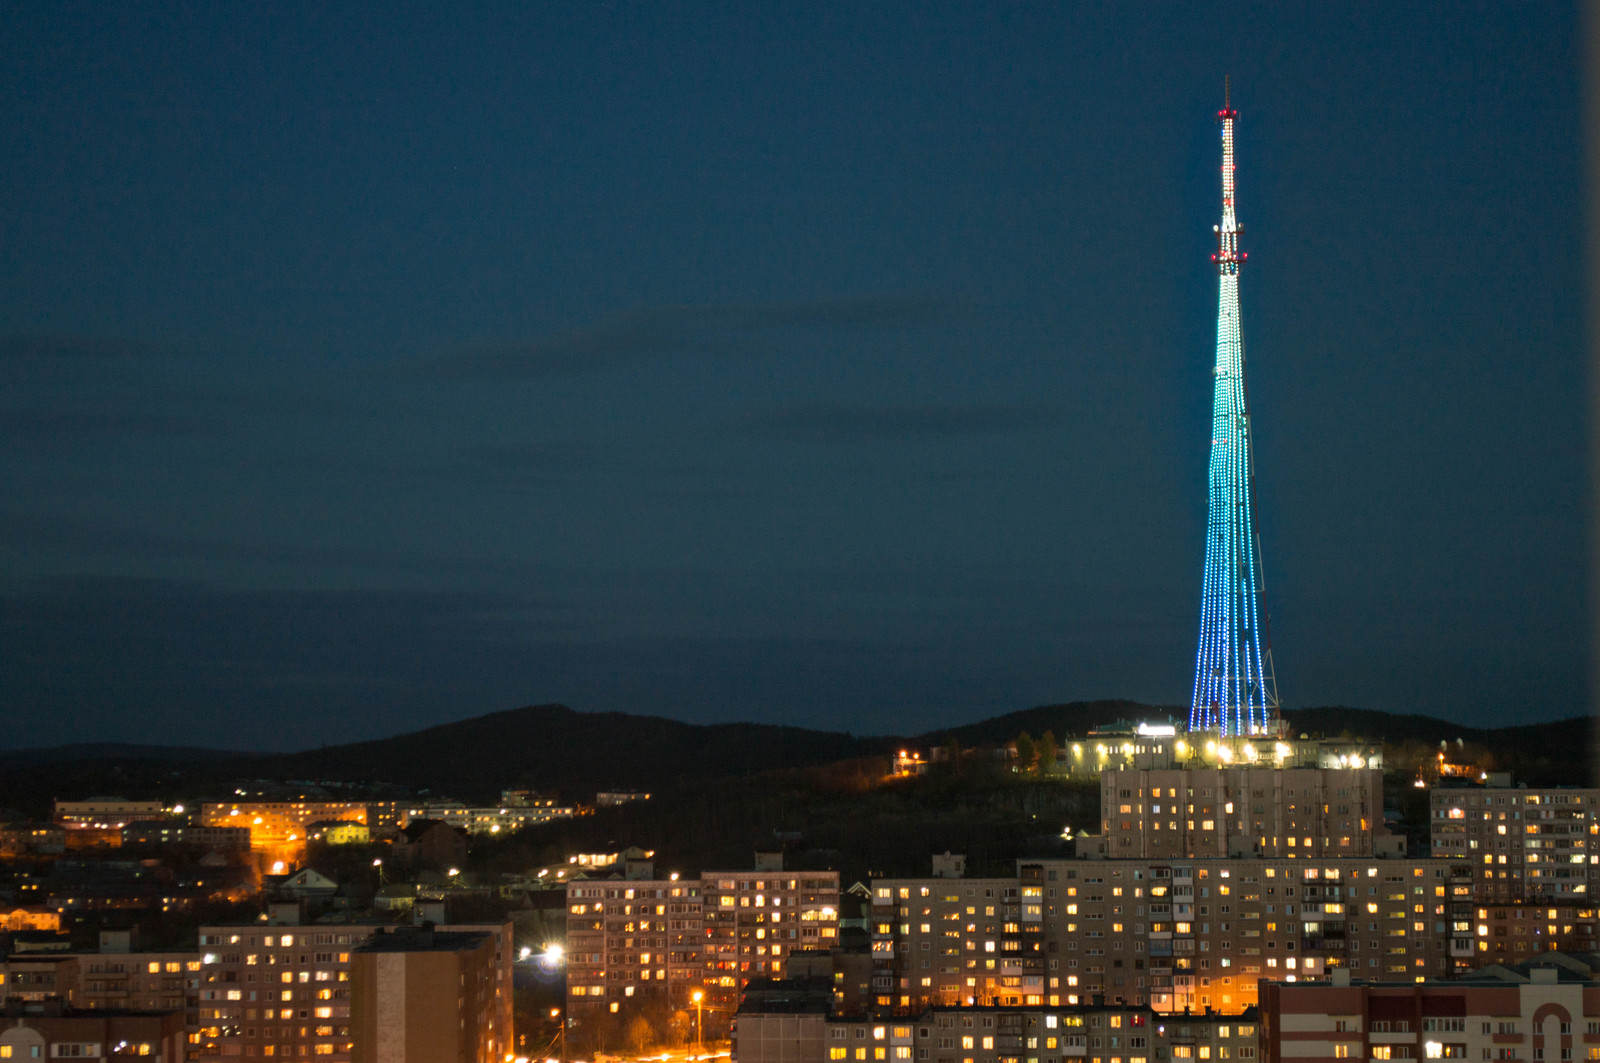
1235 687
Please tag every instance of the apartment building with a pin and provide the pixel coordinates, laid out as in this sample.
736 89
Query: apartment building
419 995
1181 935
105 812
494 820
948 942
1513 933
1086 1034
170 832
283 991
645 941
1244 810
1535 1012
1537 845
39 976
753 920
140 981
638 939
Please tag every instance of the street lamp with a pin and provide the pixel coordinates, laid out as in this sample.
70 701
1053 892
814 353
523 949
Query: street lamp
699 997
555 1013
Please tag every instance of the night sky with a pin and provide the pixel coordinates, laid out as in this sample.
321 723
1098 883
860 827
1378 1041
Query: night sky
848 365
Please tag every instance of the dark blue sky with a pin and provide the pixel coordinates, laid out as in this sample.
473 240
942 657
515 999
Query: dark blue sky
844 365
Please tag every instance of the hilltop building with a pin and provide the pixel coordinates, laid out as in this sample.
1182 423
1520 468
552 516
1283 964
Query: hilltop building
105 812
493 820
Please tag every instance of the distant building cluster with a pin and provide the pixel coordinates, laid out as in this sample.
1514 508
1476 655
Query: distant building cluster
1237 887
271 989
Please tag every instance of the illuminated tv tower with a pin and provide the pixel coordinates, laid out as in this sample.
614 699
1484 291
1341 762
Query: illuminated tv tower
1235 691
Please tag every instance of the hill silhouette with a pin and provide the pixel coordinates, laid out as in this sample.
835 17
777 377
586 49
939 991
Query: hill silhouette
552 747
574 754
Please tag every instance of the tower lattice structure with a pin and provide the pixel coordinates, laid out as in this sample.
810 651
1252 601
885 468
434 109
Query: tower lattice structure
1235 690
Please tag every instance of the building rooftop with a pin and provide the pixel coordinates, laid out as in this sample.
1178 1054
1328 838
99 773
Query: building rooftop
422 939
57 1009
1547 967
769 995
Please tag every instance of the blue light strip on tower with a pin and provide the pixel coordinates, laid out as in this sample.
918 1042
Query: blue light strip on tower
1235 690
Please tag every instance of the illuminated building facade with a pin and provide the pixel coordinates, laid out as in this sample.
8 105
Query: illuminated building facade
1535 845
633 940
1085 1034
1235 690
949 941
283 991
755 919
1151 746
1239 810
105 812
143 981
1171 935
488 820
161 833
1513 933
30 917
644 941
278 828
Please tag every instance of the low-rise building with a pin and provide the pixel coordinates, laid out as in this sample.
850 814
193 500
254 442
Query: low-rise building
613 798
164 833
45 839
1546 1009
495 820
430 843
108 812
49 1031
338 832
30 917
